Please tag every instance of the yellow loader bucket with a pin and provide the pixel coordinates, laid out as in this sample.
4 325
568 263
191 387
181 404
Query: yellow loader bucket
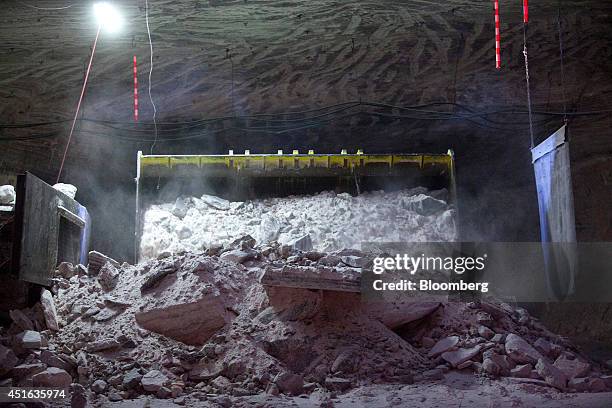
240 177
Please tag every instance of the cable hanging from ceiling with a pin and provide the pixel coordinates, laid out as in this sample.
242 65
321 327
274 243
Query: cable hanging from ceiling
525 23
503 119
46 8
151 73
562 64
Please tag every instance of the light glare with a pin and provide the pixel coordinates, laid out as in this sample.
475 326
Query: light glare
108 17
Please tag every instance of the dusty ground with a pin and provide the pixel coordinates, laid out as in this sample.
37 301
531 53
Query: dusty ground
270 324
455 391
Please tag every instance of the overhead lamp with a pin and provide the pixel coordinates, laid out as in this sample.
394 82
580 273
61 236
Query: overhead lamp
108 17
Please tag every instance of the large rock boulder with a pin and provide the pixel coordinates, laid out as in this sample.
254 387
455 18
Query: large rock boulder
194 301
191 323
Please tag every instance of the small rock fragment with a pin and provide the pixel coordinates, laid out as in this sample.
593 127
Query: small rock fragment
578 384
485 332
303 243
522 371
216 202
108 276
289 383
571 366
423 204
490 367
597 385
29 339
50 313
520 351
131 379
78 396
99 386
543 346
345 362
443 345
52 377
238 256
337 384
66 270
153 380
21 320
7 194
96 260
551 374
27 370
8 360
221 383
459 356
433 374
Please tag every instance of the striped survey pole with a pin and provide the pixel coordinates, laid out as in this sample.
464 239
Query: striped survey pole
135 90
525 11
497 37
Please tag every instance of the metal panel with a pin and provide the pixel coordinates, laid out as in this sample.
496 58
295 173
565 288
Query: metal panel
43 208
551 165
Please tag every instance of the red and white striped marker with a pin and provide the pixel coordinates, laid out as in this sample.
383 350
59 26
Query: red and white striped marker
497 37
135 91
525 11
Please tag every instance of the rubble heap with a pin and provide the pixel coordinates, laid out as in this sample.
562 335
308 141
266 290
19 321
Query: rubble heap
201 326
324 222
249 318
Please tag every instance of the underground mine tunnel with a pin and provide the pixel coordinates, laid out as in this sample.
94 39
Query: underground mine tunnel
237 203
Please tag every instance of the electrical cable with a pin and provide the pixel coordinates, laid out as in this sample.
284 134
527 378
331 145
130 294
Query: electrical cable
76 114
287 125
527 81
562 67
46 8
150 73
255 117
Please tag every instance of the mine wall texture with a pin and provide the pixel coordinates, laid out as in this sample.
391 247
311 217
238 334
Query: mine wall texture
231 58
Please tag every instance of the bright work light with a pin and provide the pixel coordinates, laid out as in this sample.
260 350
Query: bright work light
108 17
